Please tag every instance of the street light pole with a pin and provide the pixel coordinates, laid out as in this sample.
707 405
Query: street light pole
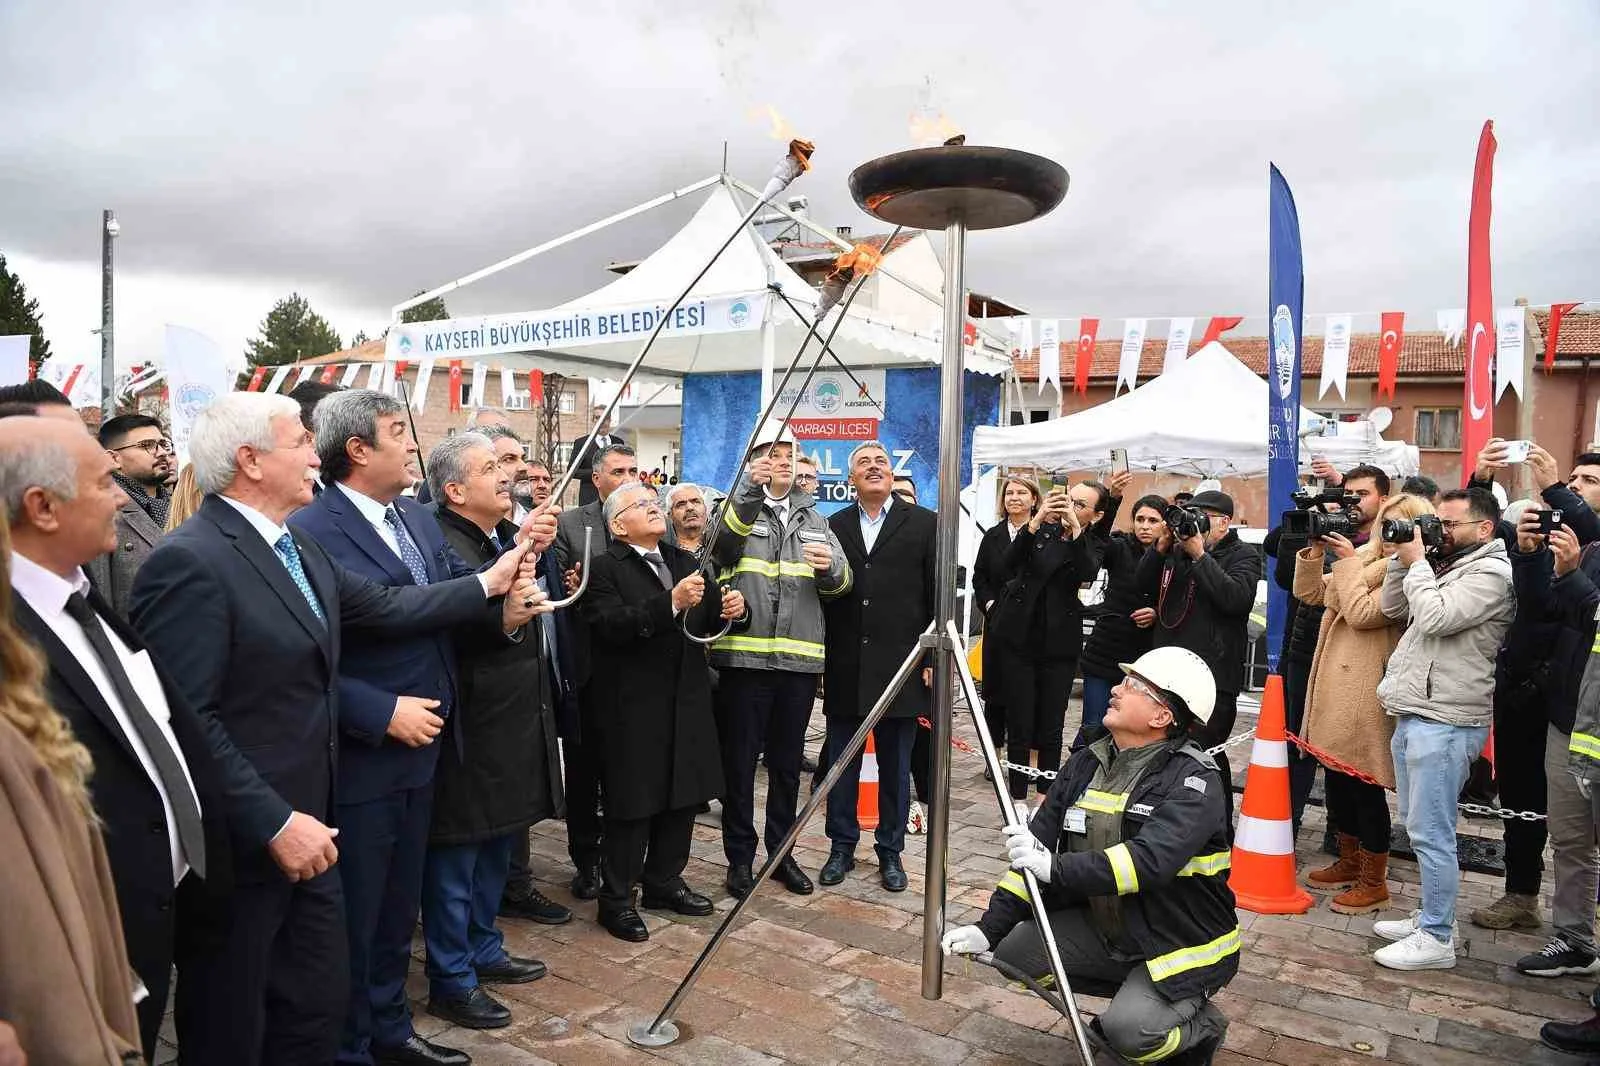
109 228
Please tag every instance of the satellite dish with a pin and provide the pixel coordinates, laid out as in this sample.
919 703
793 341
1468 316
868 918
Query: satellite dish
1381 418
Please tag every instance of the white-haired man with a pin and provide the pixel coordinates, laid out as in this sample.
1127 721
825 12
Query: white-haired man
246 616
686 510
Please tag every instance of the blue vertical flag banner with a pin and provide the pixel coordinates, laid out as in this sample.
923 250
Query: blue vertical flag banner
1286 290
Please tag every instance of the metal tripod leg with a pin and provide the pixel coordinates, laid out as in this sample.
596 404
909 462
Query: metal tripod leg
661 1032
1009 815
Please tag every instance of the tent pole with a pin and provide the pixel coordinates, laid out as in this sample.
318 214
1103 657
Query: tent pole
540 249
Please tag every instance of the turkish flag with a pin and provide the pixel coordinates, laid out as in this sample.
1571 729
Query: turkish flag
455 384
969 334
1393 339
328 374
1553 334
255 379
536 386
1087 329
1477 423
1219 325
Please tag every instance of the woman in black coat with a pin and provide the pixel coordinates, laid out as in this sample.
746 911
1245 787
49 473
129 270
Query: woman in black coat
1019 499
1122 629
1037 623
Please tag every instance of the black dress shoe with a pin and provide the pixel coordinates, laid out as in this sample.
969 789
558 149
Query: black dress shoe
474 1010
892 873
586 883
625 924
682 899
419 1052
740 880
793 878
535 906
512 970
840 862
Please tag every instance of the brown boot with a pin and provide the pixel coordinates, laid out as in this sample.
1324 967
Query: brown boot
1371 890
1343 873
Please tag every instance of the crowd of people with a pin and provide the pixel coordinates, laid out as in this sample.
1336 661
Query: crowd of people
260 716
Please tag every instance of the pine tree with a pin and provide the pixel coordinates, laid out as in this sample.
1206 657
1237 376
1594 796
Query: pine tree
427 311
19 314
291 331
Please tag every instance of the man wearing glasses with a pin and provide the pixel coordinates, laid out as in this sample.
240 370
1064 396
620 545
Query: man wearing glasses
145 462
805 474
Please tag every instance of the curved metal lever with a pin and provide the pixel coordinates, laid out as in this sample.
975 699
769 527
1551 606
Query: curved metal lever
583 575
707 641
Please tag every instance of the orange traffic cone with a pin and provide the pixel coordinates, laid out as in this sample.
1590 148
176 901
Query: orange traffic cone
867 790
1263 878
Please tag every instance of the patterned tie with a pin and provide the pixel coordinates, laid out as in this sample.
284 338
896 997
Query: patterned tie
659 565
408 547
297 572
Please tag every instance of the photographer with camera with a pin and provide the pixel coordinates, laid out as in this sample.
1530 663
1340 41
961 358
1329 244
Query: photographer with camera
1526 685
1450 580
1203 578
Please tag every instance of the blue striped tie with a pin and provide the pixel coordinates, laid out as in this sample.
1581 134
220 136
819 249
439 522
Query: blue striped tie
297 572
408 547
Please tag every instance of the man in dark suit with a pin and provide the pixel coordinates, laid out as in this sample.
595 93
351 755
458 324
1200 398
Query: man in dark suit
247 618
588 463
650 709
156 783
145 461
615 466
396 702
890 545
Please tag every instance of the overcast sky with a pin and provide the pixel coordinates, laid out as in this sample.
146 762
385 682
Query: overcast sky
359 151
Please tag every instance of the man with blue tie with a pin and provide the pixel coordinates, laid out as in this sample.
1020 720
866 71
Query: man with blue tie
248 619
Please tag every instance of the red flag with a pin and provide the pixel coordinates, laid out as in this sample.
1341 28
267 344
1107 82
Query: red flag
327 375
1553 334
1087 329
536 386
1219 325
1477 423
256 379
455 384
1393 339
72 379
969 334
400 366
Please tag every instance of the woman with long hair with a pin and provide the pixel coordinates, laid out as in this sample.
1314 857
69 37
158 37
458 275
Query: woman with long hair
1037 623
1344 723
1019 499
1122 632
65 983
185 499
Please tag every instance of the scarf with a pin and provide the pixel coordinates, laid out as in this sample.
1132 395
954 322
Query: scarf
156 506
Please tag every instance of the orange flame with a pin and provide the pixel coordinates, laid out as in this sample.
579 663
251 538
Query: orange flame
862 259
780 129
930 128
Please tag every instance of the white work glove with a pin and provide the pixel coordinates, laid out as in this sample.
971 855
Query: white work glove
1026 853
1023 814
1585 786
964 940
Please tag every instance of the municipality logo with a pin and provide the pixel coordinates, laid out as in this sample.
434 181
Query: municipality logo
193 398
739 313
827 397
1283 349
404 345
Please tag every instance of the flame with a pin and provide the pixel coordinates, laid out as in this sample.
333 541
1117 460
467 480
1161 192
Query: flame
929 128
861 260
780 129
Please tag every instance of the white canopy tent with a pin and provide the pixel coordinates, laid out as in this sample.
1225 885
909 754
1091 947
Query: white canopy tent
1206 417
731 320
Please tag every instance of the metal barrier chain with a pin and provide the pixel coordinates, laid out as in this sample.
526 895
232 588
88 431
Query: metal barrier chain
1034 773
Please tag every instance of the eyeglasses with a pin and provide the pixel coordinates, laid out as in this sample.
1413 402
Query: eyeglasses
647 504
1452 524
1143 689
805 479
151 447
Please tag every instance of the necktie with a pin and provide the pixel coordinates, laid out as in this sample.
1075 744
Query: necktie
547 628
173 782
659 565
408 547
297 572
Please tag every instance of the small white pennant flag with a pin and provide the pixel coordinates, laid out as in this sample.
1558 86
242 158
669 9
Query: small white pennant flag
1025 337
419 392
480 382
1510 323
349 377
1132 349
385 377
275 382
1335 355
508 387
1453 323
1049 353
304 375
1177 342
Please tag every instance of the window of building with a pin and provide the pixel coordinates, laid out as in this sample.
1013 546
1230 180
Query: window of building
466 394
1038 416
518 401
1439 428
568 403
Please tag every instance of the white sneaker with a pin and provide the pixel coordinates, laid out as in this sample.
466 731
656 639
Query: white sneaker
1419 951
1396 930
916 824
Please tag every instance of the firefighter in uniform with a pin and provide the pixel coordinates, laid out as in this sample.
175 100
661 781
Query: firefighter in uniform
1130 848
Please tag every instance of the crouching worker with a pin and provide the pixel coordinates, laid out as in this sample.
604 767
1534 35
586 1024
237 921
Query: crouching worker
1131 851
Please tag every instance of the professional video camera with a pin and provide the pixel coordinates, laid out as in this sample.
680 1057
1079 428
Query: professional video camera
1311 517
1401 530
1186 522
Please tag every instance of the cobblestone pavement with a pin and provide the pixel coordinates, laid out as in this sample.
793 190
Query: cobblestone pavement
835 977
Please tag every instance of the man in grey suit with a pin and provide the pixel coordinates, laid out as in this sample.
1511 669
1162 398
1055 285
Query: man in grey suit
145 462
613 466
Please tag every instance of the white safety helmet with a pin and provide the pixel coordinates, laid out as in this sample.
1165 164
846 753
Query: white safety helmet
773 431
1181 676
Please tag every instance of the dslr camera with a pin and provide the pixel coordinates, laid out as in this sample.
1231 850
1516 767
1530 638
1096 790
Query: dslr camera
1401 530
1186 522
1312 518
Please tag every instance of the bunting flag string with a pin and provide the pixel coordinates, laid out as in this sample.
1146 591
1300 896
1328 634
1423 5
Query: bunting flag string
419 393
278 374
1049 353
1510 327
350 372
1132 348
256 376
304 375
1335 355
1390 342
536 387
1552 335
455 384
508 387
1088 329
1452 323
480 382
327 375
1178 331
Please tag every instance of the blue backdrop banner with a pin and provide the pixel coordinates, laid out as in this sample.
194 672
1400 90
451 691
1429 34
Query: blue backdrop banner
719 410
1286 289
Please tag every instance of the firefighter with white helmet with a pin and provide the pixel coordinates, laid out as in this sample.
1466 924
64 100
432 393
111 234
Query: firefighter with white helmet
1130 849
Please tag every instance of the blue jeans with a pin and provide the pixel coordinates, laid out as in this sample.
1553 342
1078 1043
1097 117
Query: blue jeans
891 738
460 895
1431 762
1096 699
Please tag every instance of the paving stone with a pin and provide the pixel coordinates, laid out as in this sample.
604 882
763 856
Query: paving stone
883 1034
1328 1032
1393 1021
